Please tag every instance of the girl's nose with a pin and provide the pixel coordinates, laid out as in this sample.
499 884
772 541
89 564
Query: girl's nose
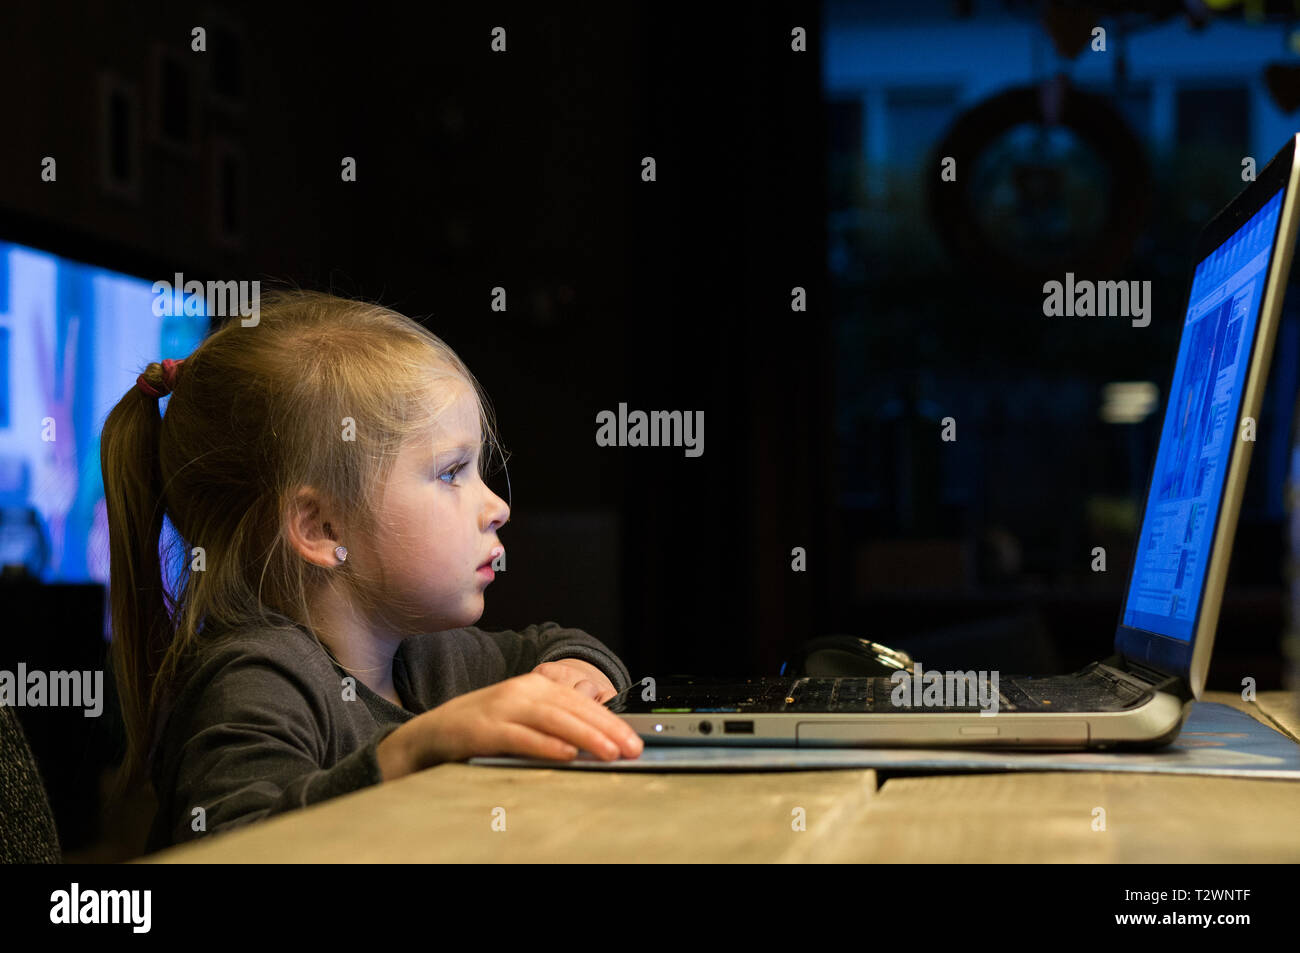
501 513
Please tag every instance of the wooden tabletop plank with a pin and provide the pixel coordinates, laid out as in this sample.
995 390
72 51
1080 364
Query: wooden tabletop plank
446 814
1048 817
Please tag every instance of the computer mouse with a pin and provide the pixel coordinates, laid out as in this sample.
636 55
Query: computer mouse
838 656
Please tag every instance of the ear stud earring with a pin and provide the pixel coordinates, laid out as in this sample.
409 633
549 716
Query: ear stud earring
341 552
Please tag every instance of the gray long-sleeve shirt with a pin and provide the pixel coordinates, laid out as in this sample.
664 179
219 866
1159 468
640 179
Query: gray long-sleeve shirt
261 725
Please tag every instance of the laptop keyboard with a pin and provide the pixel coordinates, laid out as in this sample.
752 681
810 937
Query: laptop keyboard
1094 691
856 695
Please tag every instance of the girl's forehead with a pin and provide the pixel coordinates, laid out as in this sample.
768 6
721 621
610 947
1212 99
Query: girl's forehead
458 423
461 409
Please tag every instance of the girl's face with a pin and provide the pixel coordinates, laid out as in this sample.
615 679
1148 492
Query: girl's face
442 523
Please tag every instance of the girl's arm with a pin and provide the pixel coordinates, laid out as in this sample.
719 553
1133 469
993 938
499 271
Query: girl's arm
259 739
469 658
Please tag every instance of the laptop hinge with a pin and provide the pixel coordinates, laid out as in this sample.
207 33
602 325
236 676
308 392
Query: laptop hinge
1153 678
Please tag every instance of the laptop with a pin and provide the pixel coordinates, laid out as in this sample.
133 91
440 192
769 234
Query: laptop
1140 695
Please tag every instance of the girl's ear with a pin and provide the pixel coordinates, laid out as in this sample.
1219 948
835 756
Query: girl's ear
309 532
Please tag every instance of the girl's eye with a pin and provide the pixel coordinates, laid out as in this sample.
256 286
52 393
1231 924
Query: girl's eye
452 473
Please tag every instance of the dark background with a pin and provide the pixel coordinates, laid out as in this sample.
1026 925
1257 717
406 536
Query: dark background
523 170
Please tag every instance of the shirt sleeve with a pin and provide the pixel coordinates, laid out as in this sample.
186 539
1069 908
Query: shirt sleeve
254 748
507 654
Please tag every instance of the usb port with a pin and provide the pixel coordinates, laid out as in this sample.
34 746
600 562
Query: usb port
737 727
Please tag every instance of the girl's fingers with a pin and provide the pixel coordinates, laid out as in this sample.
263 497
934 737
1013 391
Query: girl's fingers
574 727
591 712
525 742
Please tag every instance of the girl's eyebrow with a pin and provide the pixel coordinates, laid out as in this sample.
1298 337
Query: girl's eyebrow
462 448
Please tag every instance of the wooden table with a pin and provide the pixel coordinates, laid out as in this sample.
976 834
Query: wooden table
445 814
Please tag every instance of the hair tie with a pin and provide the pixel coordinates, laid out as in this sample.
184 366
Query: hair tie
169 379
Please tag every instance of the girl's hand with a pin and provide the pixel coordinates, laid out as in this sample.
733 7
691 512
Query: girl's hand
581 675
530 716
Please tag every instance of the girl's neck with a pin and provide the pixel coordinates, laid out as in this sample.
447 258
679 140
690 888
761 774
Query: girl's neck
355 648
381 683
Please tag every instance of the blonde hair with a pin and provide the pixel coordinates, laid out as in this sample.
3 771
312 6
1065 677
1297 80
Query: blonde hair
256 413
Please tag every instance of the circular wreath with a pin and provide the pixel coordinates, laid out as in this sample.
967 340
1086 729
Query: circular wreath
1048 179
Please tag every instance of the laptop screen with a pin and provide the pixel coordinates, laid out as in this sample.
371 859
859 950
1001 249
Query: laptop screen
1202 419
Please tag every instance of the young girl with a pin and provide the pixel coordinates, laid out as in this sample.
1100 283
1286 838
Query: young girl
323 468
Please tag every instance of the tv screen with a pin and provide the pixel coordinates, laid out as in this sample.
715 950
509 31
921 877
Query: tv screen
73 338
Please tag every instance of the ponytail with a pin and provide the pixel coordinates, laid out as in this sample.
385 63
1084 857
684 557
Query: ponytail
141 623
